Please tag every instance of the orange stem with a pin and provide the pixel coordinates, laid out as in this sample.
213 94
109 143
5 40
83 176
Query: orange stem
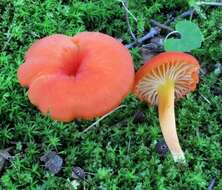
167 120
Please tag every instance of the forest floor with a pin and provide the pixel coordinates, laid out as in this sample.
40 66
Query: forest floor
120 152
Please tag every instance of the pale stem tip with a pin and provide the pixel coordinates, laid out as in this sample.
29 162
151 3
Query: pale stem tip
179 157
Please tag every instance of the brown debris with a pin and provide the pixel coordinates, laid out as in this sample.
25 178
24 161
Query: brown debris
53 162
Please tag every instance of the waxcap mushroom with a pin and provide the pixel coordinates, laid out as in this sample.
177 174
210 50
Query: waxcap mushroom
162 80
82 77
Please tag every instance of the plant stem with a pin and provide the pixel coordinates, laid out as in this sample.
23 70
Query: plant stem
163 26
127 12
101 118
167 120
209 3
153 32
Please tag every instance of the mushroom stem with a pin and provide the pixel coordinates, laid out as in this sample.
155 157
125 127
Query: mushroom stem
167 119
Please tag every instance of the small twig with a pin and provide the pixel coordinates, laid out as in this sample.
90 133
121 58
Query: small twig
209 3
212 184
153 31
101 118
127 12
163 26
186 13
191 15
205 98
156 30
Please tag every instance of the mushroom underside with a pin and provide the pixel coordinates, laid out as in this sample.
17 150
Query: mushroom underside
182 74
161 86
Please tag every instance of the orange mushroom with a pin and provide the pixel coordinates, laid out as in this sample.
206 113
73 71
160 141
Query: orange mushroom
161 80
84 76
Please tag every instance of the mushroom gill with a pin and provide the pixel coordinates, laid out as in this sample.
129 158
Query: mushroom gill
179 73
161 80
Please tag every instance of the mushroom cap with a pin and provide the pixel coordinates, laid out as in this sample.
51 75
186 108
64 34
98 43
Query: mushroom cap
181 68
82 77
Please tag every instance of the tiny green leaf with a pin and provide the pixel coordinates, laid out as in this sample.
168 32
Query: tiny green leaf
191 37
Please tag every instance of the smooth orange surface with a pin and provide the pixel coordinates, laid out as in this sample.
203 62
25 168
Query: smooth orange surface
52 54
84 76
167 57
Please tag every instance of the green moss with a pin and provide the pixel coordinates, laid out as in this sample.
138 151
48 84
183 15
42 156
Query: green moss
121 155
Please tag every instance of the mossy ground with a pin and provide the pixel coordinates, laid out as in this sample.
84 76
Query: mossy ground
121 156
